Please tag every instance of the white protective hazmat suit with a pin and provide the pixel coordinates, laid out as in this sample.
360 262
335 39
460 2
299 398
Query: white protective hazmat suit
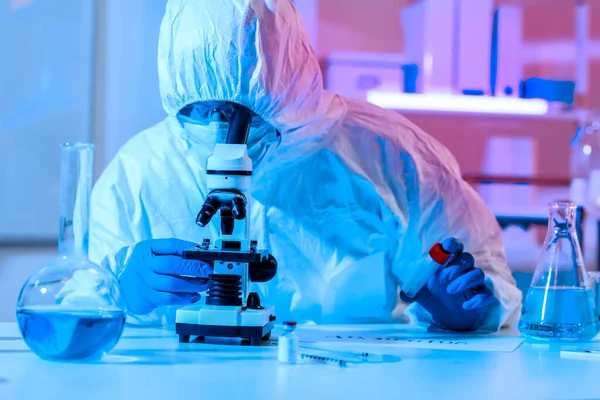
347 196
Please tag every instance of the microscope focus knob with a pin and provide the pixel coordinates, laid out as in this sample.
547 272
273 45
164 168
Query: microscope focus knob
253 302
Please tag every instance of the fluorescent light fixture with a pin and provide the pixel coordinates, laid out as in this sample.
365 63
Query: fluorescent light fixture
457 103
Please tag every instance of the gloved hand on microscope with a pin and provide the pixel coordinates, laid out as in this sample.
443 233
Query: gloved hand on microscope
154 275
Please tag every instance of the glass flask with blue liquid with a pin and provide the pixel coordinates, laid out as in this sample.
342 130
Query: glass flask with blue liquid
71 308
560 304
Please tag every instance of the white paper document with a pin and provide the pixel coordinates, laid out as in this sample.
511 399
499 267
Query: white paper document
410 336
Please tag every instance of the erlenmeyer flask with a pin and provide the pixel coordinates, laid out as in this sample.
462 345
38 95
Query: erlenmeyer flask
560 304
71 308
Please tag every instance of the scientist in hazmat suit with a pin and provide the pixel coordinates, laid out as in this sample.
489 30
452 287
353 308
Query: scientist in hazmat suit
347 196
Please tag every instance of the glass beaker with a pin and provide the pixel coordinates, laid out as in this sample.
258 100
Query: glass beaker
560 303
71 308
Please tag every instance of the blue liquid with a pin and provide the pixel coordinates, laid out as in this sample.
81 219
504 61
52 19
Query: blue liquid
55 334
565 313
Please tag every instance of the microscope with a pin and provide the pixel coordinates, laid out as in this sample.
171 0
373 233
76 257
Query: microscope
230 310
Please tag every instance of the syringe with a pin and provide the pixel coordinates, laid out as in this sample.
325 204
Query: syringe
363 356
327 360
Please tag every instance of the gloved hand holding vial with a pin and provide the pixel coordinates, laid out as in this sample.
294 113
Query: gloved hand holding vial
455 293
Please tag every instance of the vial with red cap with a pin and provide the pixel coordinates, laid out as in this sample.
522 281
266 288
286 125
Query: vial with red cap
287 344
438 256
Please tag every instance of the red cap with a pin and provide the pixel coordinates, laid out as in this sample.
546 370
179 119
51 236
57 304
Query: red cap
290 323
438 254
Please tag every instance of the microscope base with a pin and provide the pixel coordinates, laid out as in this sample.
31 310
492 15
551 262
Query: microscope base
224 321
254 333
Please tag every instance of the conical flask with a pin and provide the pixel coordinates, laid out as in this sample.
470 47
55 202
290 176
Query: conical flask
71 308
560 305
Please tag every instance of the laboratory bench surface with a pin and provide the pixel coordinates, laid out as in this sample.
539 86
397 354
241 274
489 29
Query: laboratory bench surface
151 364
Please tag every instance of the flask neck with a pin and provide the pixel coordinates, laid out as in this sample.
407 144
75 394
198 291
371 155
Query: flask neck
77 161
562 220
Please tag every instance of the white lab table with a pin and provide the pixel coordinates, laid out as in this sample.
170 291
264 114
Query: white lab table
151 364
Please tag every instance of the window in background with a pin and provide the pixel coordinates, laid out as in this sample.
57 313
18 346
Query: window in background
45 98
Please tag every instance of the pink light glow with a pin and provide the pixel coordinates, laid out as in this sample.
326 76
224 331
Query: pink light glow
16 4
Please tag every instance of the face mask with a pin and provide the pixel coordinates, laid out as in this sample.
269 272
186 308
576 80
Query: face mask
261 139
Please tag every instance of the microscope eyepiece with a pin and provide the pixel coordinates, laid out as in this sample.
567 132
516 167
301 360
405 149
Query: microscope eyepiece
239 126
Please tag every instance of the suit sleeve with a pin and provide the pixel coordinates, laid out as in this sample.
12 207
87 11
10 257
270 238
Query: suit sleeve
113 228
438 204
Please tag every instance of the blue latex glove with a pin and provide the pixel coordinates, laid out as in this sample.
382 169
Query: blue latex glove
152 276
443 296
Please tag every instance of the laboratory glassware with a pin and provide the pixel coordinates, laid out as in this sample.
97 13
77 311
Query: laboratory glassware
287 344
560 303
71 308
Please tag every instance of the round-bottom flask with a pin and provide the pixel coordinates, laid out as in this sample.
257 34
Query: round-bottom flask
71 308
